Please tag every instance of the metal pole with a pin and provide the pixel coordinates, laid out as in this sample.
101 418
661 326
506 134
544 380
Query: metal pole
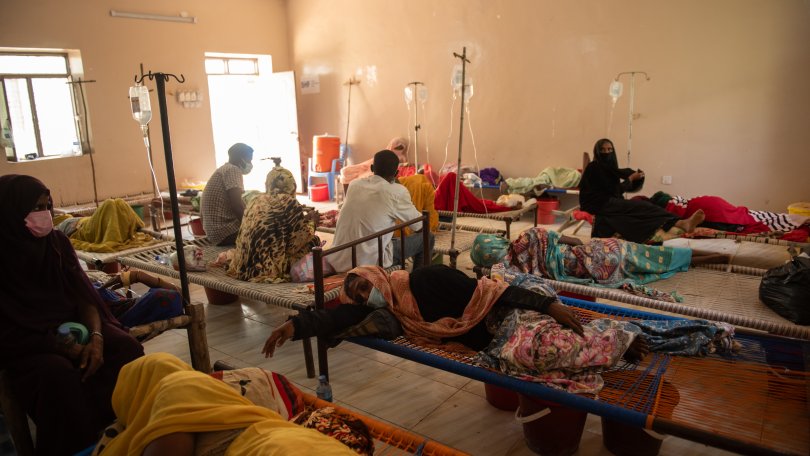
160 80
632 102
416 125
464 61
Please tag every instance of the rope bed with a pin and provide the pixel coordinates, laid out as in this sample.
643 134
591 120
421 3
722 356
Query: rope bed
387 436
754 402
508 217
88 208
761 239
193 321
287 295
712 292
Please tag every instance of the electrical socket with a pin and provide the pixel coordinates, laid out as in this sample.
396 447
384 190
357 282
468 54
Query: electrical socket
666 180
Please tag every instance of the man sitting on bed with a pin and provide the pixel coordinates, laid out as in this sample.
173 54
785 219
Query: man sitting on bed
221 204
372 204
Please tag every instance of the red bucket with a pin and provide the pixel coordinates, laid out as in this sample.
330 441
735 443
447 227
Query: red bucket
544 208
319 192
196 227
501 398
555 433
219 298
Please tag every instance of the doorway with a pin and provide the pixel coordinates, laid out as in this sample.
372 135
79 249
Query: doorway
253 105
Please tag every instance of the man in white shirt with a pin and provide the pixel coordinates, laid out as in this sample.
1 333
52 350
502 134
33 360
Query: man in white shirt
221 205
372 204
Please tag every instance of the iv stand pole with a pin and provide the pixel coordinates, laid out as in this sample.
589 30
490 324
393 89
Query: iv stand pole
160 81
416 125
349 83
464 62
632 107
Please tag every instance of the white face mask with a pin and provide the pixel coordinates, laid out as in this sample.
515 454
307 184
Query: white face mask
39 223
376 299
247 168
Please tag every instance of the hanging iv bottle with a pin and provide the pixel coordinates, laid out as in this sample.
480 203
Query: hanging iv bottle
140 104
615 90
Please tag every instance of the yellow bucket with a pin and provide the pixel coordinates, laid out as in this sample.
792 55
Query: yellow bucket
799 209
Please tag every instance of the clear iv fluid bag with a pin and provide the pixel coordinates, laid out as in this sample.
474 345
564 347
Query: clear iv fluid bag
408 95
140 104
616 90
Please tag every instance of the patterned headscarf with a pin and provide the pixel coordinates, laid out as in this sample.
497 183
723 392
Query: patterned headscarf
279 181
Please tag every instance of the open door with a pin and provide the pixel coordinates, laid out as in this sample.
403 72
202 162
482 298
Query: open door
261 112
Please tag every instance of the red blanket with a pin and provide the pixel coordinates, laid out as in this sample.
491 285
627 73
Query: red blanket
467 202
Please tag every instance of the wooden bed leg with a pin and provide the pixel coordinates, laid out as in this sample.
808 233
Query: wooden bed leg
508 225
323 361
453 254
308 359
197 339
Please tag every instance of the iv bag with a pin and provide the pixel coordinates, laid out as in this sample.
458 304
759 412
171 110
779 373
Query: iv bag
408 95
615 90
140 104
468 90
423 93
456 77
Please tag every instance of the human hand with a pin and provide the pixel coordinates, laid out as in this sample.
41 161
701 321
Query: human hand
638 175
277 338
92 356
565 316
114 283
315 216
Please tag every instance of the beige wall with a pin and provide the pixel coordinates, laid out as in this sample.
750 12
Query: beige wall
111 50
725 113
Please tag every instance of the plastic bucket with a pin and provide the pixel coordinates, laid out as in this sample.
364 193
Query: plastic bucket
501 398
799 209
319 192
544 208
219 298
628 440
550 429
196 227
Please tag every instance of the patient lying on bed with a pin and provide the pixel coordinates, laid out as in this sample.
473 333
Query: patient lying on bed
113 227
606 262
521 330
163 406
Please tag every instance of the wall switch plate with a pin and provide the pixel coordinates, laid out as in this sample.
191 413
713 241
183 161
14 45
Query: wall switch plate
666 180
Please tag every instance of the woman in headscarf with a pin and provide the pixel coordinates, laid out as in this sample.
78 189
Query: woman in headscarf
602 262
398 146
275 232
601 193
163 406
64 387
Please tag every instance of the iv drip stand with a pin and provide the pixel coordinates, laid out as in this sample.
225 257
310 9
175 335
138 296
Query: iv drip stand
349 83
416 125
464 63
632 106
160 80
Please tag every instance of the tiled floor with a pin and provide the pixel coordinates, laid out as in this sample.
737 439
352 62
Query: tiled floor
439 405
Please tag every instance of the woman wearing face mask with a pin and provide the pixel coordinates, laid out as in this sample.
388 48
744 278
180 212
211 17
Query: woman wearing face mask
64 386
221 205
601 193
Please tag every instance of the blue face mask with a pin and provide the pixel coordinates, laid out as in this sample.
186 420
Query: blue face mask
376 299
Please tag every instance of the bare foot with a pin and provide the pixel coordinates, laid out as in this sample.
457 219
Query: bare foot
692 222
637 350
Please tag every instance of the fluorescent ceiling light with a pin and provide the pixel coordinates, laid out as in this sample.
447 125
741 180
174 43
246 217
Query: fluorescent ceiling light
155 17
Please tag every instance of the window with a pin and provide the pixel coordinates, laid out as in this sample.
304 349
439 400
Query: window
231 65
38 109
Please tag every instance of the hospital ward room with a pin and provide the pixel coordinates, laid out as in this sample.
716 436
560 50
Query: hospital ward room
457 227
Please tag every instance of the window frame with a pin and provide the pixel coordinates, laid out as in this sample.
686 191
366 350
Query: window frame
79 112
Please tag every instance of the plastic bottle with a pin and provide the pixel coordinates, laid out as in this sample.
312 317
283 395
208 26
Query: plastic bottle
163 259
324 390
64 336
497 271
141 106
